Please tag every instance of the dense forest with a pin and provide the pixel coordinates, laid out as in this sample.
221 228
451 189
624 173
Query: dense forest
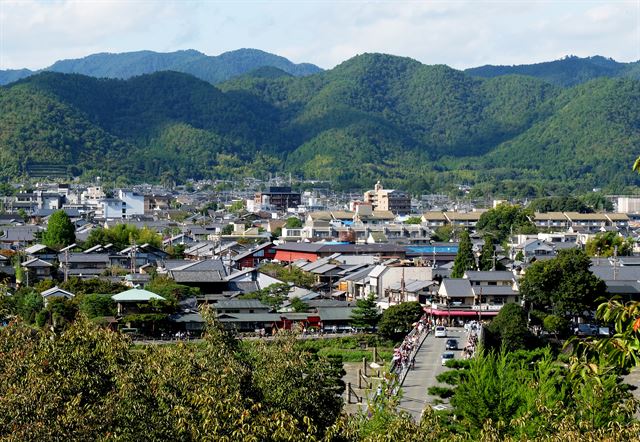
418 127
213 69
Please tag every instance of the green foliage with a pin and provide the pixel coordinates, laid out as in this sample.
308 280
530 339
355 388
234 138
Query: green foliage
398 319
563 286
60 230
122 236
606 243
485 262
465 259
413 220
273 295
442 392
289 274
169 289
365 314
79 286
298 305
95 305
451 377
293 223
227 230
509 328
420 128
556 325
567 71
443 234
504 220
559 204
596 201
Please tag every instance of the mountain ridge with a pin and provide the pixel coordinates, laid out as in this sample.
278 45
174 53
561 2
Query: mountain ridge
418 127
212 69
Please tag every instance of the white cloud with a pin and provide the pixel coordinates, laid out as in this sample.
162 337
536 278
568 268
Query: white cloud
458 33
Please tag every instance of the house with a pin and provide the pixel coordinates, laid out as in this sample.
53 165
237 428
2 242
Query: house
56 293
84 265
129 300
253 257
241 306
207 275
42 252
391 200
533 249
36 269
457 300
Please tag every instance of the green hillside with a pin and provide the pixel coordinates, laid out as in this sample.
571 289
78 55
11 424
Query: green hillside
422 128
568 71
213 69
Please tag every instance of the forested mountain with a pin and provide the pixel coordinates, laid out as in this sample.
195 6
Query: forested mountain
213 69
422 128
568 71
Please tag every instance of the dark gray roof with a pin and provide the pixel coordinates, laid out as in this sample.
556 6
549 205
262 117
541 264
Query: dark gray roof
457 287
622 273
249 317
202 276
335 313
241 304
500 275
85 257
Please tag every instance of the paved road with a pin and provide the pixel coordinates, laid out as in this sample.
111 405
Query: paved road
428 366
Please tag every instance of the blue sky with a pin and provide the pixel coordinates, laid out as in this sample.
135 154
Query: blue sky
35 33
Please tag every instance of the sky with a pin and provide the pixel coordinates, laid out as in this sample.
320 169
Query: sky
36 33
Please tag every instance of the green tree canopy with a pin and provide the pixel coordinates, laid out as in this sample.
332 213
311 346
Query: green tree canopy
365 314
509 328
487 256
504 220
398 319
413 220
606 243
293 223
564 285
559 204
60 230
122 236
465 259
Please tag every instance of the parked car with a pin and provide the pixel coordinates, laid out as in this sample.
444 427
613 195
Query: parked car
441 331
586 330
446 357
452 344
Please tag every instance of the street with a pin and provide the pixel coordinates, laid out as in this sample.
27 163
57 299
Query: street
428 366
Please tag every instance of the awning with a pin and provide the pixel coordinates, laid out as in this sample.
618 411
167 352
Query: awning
460 312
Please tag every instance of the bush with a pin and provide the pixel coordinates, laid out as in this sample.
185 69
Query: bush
443 392
458 363
451 377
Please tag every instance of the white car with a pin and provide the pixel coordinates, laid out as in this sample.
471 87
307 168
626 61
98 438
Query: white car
447 357
441 331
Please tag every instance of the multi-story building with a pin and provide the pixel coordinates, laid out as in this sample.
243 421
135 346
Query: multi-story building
279 198
396 201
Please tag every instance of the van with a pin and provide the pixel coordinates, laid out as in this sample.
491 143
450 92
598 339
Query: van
441 331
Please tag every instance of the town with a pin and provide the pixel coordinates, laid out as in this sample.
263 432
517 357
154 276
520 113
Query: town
376 245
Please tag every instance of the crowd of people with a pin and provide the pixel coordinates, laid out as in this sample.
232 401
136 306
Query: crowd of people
472 329
404 356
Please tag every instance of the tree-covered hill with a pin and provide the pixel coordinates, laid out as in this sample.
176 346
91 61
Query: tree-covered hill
568 71
213 69
375 116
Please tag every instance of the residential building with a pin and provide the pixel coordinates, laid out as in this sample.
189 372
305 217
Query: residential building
278 198
391 200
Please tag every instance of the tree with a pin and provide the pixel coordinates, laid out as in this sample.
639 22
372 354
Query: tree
563 286
465 260
293 223
556 325
365 314
597 201
60 230
96 305
443 234
298 305
413 220
398 319
510 328
504 220
606 243
227 230
488 254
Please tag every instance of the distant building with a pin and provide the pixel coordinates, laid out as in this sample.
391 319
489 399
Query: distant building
396 201
628 204
279 198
